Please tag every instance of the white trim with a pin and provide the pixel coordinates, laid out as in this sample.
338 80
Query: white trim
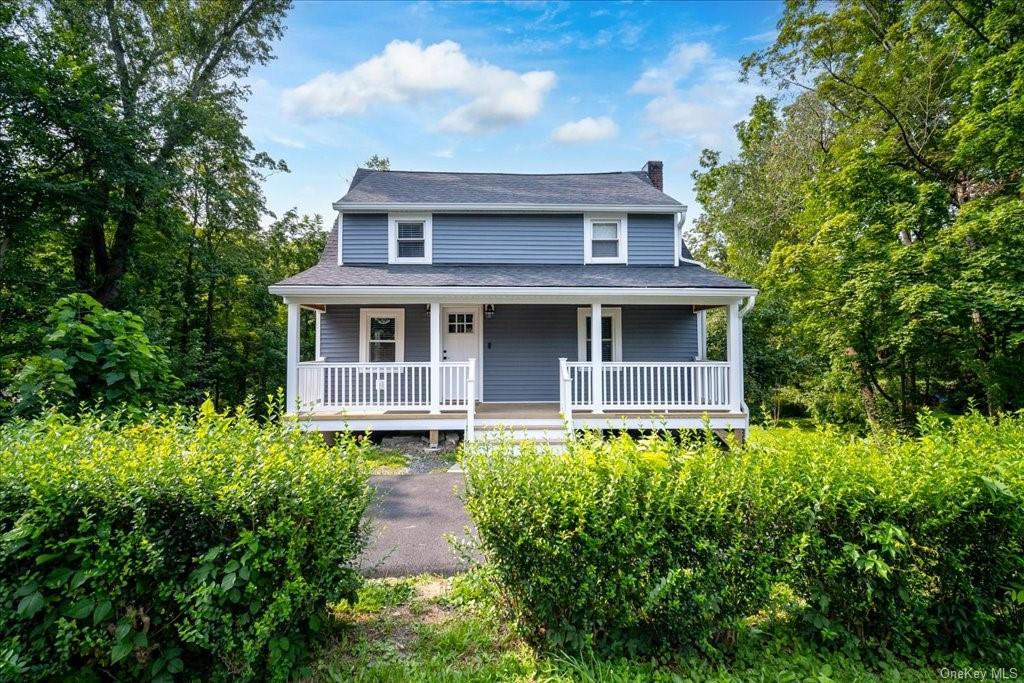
478 326
702 335
338 223
292 359
316 350
581 332
428 237
364 331
733 293
586 420
588 237
677 250
377 295
504 208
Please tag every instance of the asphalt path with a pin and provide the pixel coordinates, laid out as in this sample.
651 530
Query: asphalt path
410 516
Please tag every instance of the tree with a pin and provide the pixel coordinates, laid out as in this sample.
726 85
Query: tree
377 163
888 223
104 99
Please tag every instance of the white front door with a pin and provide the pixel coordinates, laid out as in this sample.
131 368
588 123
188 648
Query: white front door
460 341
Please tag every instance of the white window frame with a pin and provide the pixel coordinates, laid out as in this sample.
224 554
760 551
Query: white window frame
588 237
581 331
364 331
428 237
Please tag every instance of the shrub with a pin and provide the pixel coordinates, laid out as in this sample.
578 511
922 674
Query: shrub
209 546
628 544
93 354
911 545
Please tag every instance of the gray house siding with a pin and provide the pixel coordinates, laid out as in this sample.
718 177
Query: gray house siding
339 333
364 238
522 345
659 334
491 238
651 239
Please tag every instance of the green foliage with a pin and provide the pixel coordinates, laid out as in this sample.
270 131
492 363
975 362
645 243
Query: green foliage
206 546
378 163
879 210
461 635
912 546
126 173
94 354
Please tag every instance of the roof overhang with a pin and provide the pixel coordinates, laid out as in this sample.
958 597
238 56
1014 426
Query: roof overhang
327 294
365 207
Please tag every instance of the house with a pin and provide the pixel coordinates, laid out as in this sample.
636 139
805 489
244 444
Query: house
463 301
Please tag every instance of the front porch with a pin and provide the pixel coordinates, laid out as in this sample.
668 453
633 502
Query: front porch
386 392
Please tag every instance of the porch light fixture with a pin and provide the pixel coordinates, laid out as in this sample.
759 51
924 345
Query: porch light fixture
488 310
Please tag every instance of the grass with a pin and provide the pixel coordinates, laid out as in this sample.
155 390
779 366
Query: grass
429 629
386 461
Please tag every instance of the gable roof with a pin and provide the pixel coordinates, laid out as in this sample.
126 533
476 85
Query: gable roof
381 189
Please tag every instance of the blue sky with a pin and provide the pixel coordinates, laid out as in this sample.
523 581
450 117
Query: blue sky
515 87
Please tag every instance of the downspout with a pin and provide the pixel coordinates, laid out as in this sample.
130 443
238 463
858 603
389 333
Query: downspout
749 305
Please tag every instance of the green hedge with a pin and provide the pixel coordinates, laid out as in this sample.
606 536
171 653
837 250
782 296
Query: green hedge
908 545
201 547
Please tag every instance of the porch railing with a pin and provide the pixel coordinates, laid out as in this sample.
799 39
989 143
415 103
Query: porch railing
645 386
374 387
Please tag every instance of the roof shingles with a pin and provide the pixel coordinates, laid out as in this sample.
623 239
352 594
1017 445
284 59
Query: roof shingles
628 188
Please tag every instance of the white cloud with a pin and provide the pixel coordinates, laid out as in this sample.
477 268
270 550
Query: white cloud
408 72
586 130
697 94
765 37
287 142
445 153
680 63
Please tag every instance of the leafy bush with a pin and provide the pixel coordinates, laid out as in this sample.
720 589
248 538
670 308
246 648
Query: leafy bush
92 354
910 545
209 546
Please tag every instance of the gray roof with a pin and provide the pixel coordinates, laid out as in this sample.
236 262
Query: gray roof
626 188
512 275
329 273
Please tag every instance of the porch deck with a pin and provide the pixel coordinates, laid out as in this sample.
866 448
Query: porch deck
515 415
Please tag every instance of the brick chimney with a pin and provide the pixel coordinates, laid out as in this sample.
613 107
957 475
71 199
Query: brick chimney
654 172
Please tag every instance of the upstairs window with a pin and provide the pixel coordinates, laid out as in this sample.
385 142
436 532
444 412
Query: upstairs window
409 238
605 239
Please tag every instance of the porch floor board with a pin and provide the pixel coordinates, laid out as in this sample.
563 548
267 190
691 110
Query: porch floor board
490 412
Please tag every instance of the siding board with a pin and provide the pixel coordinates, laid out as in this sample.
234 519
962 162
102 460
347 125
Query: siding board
508 238
339 332
364 238
651 239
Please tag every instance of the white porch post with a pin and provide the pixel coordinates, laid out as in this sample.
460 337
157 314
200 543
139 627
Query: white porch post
471 400
435 358
596 381
291 391
734 354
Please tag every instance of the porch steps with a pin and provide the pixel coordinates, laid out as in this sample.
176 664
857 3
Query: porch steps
549 434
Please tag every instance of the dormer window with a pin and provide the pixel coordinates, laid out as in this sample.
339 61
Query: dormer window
409 238
605 238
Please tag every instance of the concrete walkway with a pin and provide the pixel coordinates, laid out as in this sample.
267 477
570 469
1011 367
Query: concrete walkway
410 517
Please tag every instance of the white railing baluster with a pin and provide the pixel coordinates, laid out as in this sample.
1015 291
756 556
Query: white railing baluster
374 387
649 386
